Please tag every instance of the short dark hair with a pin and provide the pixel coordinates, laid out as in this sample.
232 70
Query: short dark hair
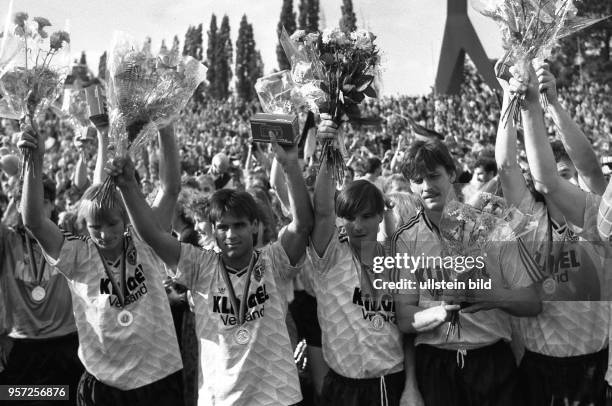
359 196
227 201
559 151
424 156
372 165
486 163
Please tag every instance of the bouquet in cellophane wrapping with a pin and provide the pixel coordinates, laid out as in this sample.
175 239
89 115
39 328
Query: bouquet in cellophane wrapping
344 67
73 111
144 92
530 29
33 67
470 232
278 93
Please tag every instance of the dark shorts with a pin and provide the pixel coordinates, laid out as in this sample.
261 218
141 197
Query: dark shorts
564 380
165 392
304 312
52 361
488 376
341 391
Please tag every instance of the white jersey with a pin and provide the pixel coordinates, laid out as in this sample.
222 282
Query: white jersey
360 337
261 371
417 237
568 328
124 357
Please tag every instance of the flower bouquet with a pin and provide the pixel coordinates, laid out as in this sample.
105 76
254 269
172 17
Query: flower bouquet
33 67
144 93
344 67
74 111
469 232
530 29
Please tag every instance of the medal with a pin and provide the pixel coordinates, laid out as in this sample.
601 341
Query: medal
38 293
125 318
377 322
549 286
242 336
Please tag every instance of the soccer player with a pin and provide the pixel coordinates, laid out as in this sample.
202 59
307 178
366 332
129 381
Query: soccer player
240 292
475 367
361 341
127 341
570 336
43 331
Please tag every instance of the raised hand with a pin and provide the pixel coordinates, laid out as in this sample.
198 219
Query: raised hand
285 154
546 80
31 140
122 170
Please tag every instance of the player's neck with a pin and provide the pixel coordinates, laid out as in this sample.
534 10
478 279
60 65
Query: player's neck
111 254
238 263
434 216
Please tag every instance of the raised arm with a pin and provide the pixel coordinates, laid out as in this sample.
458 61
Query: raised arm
44 230
568 198
510 175
325 189
576 144
295 237
141 215
80 179
169 176
99 174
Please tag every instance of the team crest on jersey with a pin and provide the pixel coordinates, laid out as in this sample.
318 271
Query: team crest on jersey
258 271
131 254
221 290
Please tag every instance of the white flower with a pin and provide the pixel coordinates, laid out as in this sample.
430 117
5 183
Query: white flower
298 36
334 36
363 39
301 72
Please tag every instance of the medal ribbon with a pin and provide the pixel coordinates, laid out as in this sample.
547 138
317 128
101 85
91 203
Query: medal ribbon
37 276
551 266
361 271
121 293
232 293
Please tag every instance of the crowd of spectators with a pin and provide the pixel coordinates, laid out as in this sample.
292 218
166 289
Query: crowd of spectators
467 122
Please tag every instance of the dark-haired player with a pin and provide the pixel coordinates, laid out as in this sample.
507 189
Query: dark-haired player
239 293
360 338
475 367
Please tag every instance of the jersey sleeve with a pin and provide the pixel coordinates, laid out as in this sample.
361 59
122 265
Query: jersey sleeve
331 256
281 266
194 267
75 255
588 231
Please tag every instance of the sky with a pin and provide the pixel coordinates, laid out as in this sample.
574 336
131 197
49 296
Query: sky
409 32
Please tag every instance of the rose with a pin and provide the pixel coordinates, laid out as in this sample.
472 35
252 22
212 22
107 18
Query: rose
363 39
334 36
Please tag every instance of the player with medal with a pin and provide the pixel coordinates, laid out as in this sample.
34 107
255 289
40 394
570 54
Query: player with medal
41 325
127 353
570 335
246 358
343 278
